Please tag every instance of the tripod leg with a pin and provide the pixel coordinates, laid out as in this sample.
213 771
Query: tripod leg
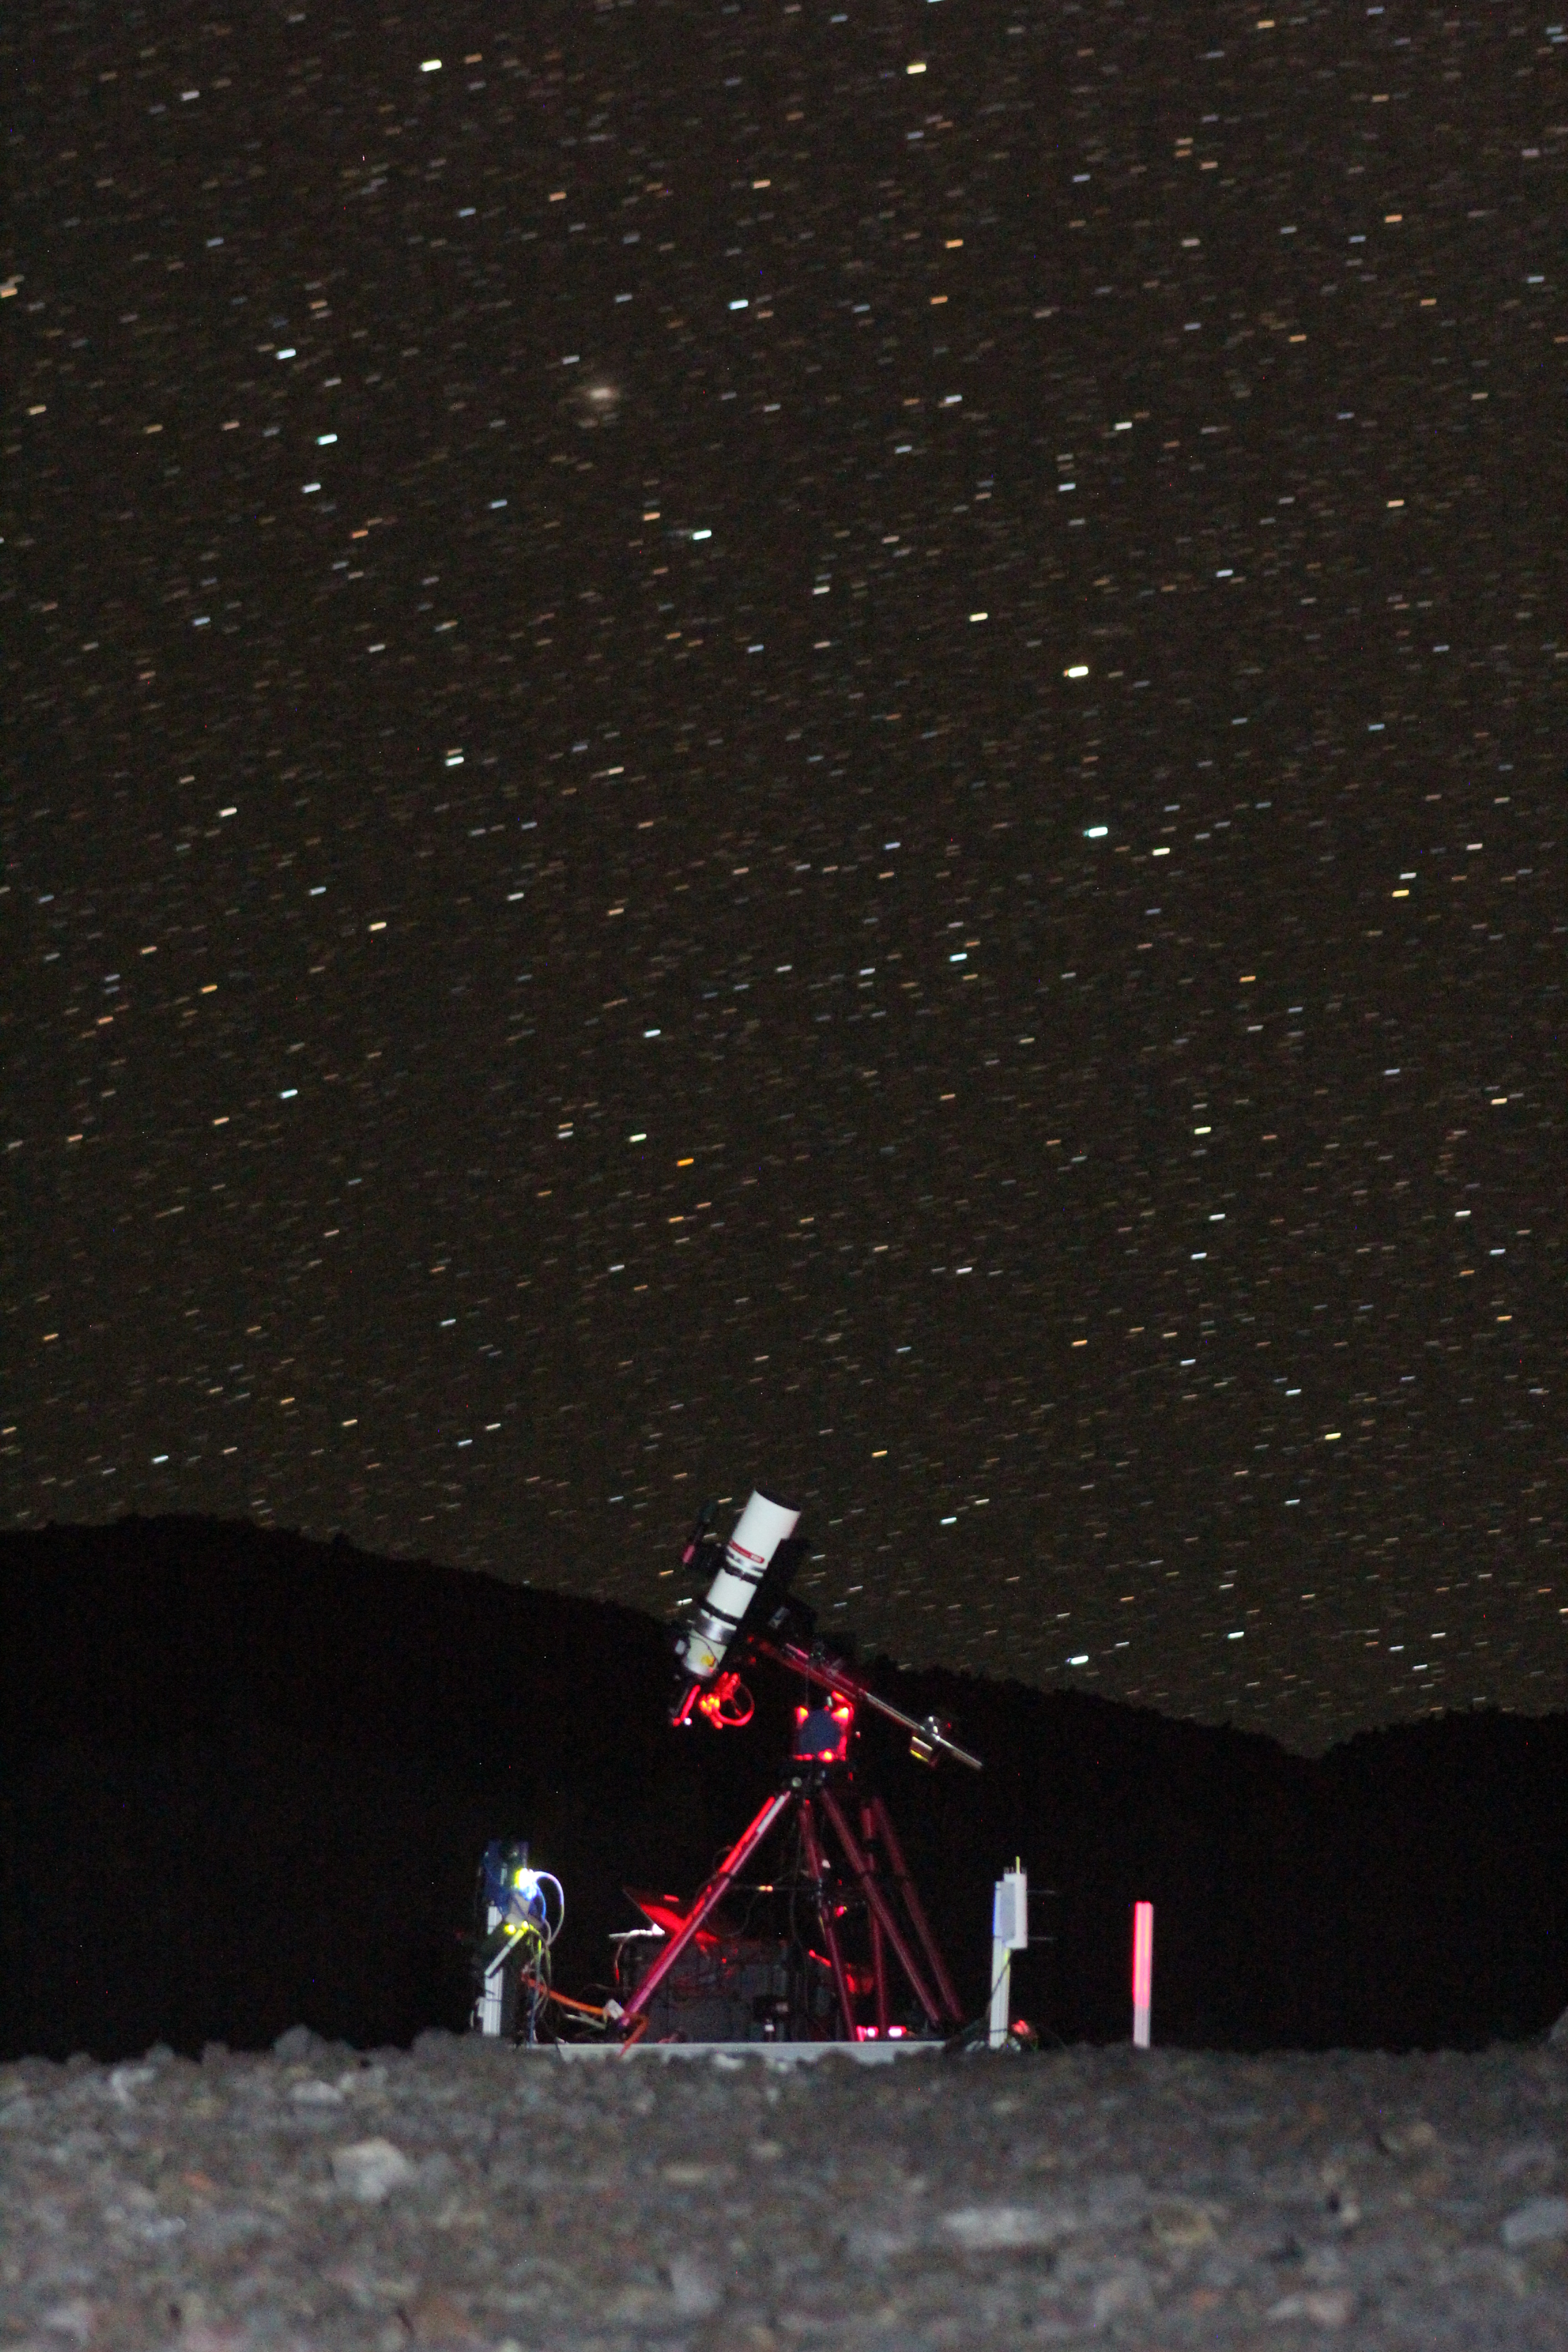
916 1910
881 1909
879 1941
708 1901
817 1864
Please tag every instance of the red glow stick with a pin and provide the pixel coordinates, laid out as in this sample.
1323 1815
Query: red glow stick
1142 1971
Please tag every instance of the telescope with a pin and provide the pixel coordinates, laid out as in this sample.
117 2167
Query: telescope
762 1527
844 1868
760 1559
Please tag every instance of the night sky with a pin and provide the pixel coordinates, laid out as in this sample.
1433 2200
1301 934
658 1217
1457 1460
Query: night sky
816 747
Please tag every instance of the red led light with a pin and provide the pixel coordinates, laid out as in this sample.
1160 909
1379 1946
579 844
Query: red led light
726 1704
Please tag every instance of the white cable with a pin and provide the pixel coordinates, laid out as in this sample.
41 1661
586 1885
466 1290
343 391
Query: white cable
548 1878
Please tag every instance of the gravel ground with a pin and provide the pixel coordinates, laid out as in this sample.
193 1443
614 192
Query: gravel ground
463 2194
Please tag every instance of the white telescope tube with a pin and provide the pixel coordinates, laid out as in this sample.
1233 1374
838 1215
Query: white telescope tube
761 1527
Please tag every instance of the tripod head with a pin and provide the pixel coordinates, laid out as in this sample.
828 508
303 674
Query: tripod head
822 1731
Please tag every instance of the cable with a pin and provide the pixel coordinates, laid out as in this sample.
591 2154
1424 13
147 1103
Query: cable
966 2034
543 1878
581 2008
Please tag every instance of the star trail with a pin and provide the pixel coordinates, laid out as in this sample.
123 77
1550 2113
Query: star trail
760 743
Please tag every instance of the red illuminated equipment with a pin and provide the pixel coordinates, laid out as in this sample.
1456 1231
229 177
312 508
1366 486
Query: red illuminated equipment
844 1878
822 1733
1142 1972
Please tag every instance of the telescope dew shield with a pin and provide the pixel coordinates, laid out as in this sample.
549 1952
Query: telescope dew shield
761 1527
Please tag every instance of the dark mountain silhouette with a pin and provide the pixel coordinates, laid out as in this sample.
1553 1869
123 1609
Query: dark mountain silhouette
246 1780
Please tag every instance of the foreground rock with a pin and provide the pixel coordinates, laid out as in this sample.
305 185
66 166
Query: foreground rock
463 2195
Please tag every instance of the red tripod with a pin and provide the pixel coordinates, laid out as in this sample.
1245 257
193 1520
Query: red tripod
884 1880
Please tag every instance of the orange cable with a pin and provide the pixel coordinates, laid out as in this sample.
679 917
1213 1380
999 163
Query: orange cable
583 2009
